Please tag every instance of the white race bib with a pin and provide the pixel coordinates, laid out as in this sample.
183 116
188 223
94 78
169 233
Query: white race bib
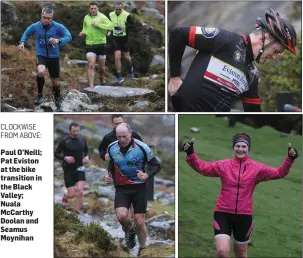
226 75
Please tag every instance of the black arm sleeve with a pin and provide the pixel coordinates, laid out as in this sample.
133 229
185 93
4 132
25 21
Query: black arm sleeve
129 23
103 148
136 136
59 150
178 39
154 167
85 148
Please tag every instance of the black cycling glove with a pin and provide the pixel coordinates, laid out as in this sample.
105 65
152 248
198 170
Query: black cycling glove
294 156
190 149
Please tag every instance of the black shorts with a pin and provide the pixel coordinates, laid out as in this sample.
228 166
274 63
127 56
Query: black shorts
132 194
72 176
238 224
52 64
121 43
99 50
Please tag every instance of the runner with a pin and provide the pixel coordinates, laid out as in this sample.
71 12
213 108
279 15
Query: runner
223 68
129 157
95 26
75 153
50 35
122 23
239 177
111 137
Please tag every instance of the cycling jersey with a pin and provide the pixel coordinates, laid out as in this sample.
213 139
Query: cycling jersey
95 35
71 146
43 34
239 178
222 70
127 163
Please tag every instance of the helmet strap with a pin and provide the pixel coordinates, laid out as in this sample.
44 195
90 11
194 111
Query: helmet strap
262 49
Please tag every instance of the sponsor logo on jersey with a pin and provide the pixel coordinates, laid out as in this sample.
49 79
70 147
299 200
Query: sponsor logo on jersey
237 56
207 32
226 75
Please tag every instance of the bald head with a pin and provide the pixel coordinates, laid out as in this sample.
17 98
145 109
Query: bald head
124 134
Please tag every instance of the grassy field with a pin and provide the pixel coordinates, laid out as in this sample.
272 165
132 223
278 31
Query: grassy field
277 204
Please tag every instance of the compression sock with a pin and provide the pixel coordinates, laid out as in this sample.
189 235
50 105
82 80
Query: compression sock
56 93
40 84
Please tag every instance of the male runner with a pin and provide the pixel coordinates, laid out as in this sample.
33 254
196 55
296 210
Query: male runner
75 153
50 35
122 23
95 26
224 69
129 157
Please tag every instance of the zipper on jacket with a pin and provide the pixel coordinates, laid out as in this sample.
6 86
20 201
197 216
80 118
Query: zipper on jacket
238 187
45 30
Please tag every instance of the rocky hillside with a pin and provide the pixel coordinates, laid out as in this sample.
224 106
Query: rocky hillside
147 40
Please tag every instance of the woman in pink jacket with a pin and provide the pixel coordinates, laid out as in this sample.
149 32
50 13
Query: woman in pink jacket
239 177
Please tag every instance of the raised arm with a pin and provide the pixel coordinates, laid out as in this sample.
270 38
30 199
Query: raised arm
269 173
211 169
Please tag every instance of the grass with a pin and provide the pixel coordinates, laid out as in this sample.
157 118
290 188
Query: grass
277 204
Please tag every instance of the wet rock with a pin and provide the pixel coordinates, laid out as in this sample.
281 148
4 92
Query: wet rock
118 92
168 144
157 59
106 191
77 101
103 201
95 175
140 106
161 181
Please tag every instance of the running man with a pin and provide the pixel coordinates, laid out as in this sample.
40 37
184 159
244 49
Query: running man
223 68
50 35
129 157
122 23
111 137
239 177
75 154
95 26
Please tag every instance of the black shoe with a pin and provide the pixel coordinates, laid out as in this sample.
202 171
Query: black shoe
130 238
38 99
140 250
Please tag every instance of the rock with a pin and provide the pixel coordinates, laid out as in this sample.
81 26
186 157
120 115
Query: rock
154 76
103 201
151 12
195 130
161 181
168 120
108 191
8 14
140 106
58 183
118 92
95 175
168 144
77 62
158 60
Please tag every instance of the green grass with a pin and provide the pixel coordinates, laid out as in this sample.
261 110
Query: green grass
277 204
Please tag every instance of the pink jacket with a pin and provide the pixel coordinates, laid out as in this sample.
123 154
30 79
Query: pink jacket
239 178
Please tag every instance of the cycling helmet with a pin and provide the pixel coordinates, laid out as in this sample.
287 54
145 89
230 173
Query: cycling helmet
279 27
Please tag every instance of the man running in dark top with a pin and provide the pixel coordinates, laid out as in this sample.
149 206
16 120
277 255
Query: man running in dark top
111 137
75 153
223 68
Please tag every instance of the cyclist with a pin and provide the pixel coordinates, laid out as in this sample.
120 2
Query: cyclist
50 35
75 153
223 68
122 23
129 157
95 26
239 177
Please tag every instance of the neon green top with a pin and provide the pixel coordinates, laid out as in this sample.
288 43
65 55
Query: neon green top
95 35
117 21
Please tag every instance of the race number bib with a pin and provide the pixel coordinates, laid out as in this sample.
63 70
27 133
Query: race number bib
226 75
118 31
82 168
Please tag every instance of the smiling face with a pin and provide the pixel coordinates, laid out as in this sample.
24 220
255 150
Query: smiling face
241 150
